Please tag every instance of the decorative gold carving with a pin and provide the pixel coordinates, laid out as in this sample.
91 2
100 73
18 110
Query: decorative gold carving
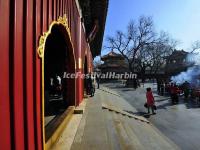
42 41
41 48
61 20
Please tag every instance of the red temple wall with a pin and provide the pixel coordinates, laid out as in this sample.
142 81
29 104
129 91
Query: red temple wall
23 22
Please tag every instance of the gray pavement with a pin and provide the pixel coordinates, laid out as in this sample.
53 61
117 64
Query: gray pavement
103 129
180 123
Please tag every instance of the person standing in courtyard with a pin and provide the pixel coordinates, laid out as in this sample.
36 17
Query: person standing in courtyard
162 87
175 93
97 80
89 85
186 89
150 100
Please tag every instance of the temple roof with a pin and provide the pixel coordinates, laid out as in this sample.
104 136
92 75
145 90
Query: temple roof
114 66
177 53
93 10
112 54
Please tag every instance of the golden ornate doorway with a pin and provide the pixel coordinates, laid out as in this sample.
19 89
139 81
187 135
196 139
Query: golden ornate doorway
57 54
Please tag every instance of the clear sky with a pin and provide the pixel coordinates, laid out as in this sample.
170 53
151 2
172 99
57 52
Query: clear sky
180 18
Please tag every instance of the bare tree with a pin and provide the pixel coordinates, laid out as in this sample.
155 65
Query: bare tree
141 46
163 48
195 46
152 57
129 44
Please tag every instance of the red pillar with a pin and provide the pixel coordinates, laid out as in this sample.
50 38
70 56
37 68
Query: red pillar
79 68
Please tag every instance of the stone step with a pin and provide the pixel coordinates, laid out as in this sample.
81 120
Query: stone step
150 137
113 138
135 142
120 135
77 143
94 134
124 139
118 110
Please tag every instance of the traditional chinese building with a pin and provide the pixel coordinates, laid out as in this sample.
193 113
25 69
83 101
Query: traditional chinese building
41 40
113 62
177 62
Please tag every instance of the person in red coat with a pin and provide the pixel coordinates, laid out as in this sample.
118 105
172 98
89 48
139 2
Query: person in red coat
150 100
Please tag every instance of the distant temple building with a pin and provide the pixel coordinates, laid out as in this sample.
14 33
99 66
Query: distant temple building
113 62
174 64
177 62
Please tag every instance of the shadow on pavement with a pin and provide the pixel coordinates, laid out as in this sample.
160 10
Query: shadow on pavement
189 103
139 113
128 89
164 106
192 104
160 100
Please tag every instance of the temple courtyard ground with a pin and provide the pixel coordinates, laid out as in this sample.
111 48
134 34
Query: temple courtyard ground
115 118
180 122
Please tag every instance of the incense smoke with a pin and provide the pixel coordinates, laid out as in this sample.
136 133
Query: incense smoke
192 75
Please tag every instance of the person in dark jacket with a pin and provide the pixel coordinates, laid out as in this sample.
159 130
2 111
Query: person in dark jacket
89 84
162 87
174 94
98 81
186 89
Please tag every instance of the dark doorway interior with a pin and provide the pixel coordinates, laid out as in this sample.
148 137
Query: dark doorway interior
55 64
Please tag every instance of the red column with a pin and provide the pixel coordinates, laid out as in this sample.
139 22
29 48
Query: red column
37 76
5 122
79 68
